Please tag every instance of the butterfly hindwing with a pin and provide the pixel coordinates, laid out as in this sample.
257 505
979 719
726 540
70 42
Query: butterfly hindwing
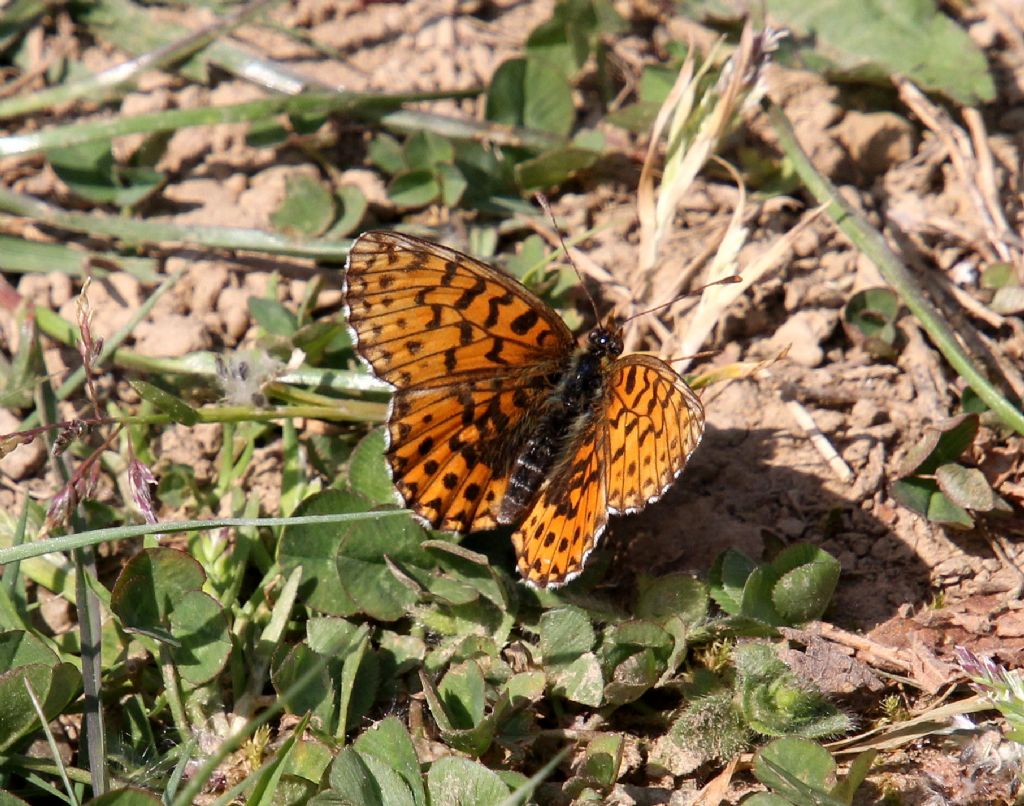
654 422
450 448
569 516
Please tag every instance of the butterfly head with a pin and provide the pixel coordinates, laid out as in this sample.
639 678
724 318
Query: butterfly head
605 340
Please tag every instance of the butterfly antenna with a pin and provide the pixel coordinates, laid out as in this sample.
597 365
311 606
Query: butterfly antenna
732 278
542 200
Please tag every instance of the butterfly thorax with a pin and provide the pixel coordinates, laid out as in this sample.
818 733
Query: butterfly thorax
578 392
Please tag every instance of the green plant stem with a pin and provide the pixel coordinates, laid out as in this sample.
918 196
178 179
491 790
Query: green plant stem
70 542
869 241
54 750
172 691
13 763
203 364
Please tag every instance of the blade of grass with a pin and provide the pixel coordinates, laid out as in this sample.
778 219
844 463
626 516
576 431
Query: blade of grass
109 534
126 27
54 750
120 79
134 231
365 106
869 241
30 257
203 364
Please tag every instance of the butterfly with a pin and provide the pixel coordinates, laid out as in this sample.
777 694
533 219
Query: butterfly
497 417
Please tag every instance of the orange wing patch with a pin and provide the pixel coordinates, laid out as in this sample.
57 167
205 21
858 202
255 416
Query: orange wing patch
450 448
469 350
564 525
425 315
654 422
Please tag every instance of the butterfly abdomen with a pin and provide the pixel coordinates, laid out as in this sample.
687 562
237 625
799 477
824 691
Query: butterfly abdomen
574 399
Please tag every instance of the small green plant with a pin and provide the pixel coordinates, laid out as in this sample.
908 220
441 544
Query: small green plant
801 773
934 482
870 320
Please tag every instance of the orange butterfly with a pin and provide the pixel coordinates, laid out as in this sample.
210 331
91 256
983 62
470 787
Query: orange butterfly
497 417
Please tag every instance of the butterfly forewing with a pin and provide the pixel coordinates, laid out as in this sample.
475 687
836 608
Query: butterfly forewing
470 352
426 315
654 422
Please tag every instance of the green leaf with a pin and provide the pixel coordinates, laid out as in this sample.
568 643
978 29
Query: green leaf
364 572
924 497
90 171
602 760
554 167
394 791
757 600
808 578
368 471
55 684
870 319
454 781
150 586
531 94
353 208
998 274
797 769
632 678
358 684
462 693
453 184
318 697
859 769
414 189
174 407
20 648
386 153
201 628
314 548
966 487
940 444
389 742
579 681
273 317
727 578
426 150
880 38
565 634
351 780
306 210
1008 300
678 595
